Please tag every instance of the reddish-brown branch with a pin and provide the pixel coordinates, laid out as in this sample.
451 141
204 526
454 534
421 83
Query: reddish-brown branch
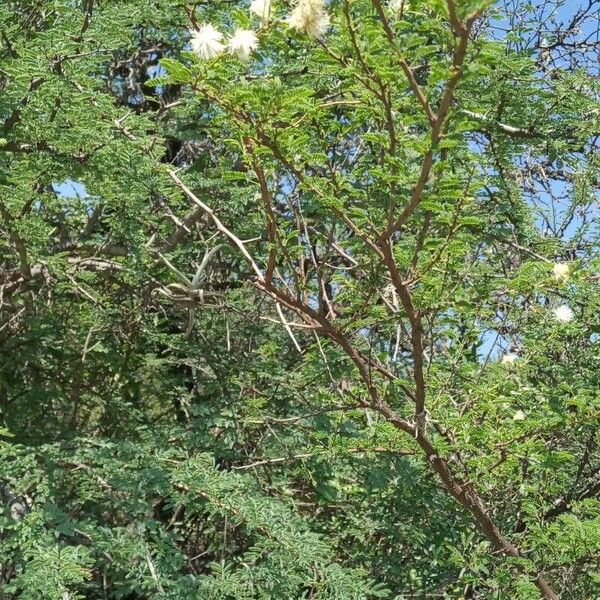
270 215
16 240
437 124
406 68
462 491
416 326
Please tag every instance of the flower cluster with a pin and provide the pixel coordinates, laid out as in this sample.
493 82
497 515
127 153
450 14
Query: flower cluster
207 42
509 359
308 16
563 313
561 271
261 8
243 43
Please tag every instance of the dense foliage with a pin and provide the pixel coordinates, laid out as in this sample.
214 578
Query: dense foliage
299 299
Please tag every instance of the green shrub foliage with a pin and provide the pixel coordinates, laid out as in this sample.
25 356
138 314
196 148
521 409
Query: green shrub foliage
299 299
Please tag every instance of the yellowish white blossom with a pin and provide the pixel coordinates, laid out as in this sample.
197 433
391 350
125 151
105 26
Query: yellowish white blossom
261 8
243 43
310 17
206 42
396 5
519 416
563 313
509 359
561 271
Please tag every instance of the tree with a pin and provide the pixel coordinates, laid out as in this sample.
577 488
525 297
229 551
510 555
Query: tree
301 303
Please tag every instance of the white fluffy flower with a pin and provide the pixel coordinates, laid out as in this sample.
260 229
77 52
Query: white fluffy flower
243 42
561 271
206 42
310 17
509 359
563 313
261 8
519 416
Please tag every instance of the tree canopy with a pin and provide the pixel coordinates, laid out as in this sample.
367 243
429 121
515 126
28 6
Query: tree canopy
299 299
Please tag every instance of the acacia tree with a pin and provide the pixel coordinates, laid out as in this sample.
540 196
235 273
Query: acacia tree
361 237
375 189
